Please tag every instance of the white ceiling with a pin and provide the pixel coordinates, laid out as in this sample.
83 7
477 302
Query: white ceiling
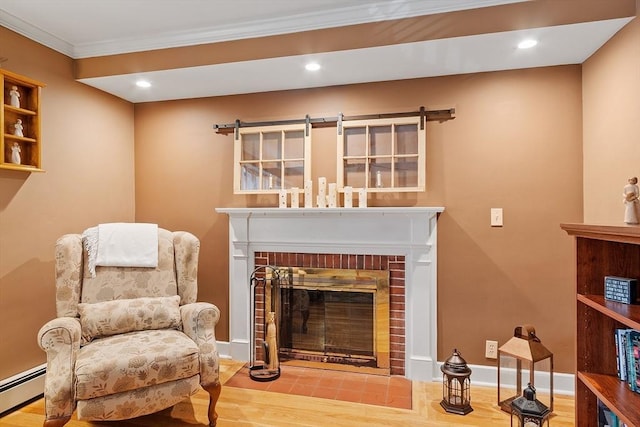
89 28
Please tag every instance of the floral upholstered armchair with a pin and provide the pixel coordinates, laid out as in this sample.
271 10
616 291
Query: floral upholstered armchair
128 341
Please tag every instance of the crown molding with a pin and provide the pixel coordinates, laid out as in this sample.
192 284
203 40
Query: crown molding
34 33
336 17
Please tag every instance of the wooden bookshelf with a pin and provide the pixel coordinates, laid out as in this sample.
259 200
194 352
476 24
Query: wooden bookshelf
603 250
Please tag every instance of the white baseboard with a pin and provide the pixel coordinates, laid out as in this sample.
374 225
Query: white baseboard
487 376
224 349
21 388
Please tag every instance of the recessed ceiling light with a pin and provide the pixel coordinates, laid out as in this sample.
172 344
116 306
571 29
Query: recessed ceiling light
526 44
143 83
312 66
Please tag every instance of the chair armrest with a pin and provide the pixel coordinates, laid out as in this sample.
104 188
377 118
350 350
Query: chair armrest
198 323
60 339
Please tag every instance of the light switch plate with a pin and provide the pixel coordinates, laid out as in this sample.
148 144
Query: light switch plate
496 217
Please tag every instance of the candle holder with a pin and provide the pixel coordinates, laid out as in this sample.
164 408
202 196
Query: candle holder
523 355
527 411
456 392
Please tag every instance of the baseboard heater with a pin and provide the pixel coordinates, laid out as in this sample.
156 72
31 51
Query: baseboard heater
21 388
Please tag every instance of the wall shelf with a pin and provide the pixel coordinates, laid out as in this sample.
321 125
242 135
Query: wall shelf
28 146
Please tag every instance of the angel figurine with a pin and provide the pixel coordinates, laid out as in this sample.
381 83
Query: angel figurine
17 128
15 153
14 97
631 192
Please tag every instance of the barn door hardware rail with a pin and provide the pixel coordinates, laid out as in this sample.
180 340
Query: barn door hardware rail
430 115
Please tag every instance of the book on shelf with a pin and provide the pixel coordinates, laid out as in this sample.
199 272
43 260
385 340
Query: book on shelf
621 352
628 357
606 417
633 362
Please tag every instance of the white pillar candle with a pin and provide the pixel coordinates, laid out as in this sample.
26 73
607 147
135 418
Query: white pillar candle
378 179
322 186
348 197
322 192
295 197
362 198
270 182
333 195
283 198
308 194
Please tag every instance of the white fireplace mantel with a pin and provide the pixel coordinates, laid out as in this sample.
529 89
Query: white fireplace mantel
410 232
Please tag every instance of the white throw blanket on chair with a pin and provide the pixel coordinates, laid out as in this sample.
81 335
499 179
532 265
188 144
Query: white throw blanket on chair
122 245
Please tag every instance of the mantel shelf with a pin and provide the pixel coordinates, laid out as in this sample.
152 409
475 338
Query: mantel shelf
300 212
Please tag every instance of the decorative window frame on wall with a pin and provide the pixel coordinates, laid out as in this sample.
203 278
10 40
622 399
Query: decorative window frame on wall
382 155
270 158
398 156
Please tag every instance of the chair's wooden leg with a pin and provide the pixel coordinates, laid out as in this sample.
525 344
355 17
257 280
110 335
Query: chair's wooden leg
214 393
56 422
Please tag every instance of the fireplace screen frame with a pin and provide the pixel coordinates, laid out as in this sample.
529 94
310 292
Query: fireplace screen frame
330 283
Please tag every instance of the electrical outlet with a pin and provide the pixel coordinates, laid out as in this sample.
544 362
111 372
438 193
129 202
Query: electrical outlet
491 350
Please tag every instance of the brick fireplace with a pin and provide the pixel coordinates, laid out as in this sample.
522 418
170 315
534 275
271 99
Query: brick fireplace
394 265
400 240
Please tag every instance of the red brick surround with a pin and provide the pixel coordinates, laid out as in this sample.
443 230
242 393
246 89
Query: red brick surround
394 264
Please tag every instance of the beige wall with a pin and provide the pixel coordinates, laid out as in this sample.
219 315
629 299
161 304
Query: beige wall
516 143
611 108
88 157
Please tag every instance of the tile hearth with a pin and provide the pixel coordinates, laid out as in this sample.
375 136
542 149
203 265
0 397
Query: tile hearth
391 391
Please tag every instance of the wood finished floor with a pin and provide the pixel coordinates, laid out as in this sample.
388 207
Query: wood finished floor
240 407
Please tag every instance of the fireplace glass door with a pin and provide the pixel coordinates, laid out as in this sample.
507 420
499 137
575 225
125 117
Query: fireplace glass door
328 316
328 322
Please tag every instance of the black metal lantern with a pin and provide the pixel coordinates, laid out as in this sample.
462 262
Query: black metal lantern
527 411
456 393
